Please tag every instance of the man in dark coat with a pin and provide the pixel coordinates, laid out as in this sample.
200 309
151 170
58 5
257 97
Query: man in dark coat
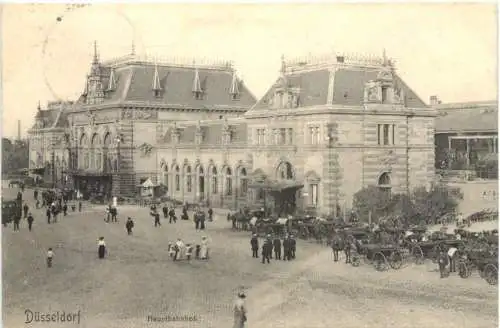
197 220
65 209
171 215
25 209
286 249
30 221
210 215
202 220
293 246
254 243
185 213
336 247
35 194
165 211
277 248
114 214
129 225
156 215
347 250
17 219
49 214
79 206
267 248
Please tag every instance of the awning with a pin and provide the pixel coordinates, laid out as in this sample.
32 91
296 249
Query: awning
276 185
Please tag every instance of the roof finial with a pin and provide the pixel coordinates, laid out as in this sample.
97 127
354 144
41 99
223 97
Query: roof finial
112 80
96 56
283 64
156 78
234 91
196 82
39 107
386 62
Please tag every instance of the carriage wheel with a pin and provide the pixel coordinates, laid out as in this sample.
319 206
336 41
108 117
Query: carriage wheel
417 254
463 270
380 262
396 260
491 274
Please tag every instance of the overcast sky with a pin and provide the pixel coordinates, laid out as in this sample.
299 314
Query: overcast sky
440 49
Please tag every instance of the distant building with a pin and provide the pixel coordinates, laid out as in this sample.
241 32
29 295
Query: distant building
465 133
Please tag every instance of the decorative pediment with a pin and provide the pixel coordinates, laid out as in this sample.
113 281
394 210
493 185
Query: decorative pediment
312 177
385 75
146 149
372 92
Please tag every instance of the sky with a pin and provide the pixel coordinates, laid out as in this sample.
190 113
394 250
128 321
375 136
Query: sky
449 50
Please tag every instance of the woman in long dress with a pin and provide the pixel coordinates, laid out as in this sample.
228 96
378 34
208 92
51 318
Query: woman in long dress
101 247
240 312
204 248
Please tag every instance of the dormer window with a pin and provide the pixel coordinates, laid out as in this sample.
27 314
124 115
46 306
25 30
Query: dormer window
384 94
198 95
156 83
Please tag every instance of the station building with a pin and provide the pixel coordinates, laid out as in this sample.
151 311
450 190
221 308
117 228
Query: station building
326 128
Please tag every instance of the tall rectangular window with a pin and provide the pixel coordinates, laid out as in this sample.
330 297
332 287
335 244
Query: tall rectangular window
314 195
314 135
290 136
386 134
282 136
384 94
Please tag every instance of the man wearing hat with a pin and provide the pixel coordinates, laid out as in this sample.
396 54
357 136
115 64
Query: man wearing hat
286 248
267 248
239 310
254 243
293 245
277 247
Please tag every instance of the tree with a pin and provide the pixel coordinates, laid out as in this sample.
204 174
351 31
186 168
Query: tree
439 200
372 199
15 155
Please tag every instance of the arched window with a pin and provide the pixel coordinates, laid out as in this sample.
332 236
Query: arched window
106 159
285 171
214 180
200 188
384 182
84 143
243 181
164 174
187 176
95 152
229 181
177 178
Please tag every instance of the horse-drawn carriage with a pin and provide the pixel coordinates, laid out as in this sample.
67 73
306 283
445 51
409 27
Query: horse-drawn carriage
383 256
481 255
429 249
10 209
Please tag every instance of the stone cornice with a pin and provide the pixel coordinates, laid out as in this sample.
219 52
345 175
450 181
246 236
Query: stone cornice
339 110
166 107
467 105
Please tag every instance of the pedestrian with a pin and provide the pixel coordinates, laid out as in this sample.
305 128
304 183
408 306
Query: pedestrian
37 204
197 220
189 251
114 214
49 214
179 246
239 311
50 256
79 206
452 253
277 248
286 248
254 243
204 248
347 251
336 247
35 194
210 215
202 220
157 218
266 250
171 249
17 219
165 211
171 215
101 247
129 225
108 214
443 261
25 210
293 246
184 213
197 252
30 221
65 209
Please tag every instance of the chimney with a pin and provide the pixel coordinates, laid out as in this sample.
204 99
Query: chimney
434 100
19 130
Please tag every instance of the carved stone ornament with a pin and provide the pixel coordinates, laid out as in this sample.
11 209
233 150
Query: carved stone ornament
385 76
389 158
128 114
91 117
143 114
146 149
373 93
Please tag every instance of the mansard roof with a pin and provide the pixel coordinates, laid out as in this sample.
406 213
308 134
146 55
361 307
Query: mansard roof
349 81
135 77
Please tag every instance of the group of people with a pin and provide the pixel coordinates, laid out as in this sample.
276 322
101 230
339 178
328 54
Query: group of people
180 251
270 246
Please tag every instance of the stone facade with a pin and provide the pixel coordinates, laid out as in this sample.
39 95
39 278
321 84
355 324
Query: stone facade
333 126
